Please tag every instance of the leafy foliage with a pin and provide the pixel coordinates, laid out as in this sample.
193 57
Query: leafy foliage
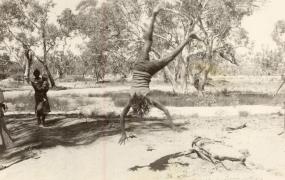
113 34
278 34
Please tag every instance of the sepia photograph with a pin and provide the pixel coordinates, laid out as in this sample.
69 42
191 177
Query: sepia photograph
142 89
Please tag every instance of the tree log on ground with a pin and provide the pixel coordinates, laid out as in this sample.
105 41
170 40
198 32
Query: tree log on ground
216 151
236 128
206 149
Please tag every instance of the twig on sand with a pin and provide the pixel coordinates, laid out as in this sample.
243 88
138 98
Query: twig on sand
236 128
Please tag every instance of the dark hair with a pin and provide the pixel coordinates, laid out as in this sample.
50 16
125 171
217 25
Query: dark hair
36 72
140 105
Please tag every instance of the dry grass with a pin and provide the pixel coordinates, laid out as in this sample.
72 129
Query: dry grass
210 99
73 101
11 84
243 114
27 103
227 91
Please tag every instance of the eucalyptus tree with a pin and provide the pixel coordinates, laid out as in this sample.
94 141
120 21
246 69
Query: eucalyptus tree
220 28
217 22
116 27
278 34
27 21
103 28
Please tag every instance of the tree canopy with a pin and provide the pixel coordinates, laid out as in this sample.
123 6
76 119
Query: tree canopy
113 35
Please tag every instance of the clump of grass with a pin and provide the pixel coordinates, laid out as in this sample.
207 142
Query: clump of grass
210 99
23 102
225 92
83 102
57 104
11 84
59 88
100 95
27 103
73 95
196 115
243 114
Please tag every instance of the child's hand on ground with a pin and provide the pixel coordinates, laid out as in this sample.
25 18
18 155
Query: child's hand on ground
123 138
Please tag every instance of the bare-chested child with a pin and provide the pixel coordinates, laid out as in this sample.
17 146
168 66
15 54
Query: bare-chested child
44 89
144 69
41 86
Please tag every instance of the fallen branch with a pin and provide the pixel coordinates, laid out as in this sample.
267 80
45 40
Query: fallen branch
200 147
236 128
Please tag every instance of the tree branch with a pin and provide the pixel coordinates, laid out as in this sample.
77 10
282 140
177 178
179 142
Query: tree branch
180 14
202 27
21 8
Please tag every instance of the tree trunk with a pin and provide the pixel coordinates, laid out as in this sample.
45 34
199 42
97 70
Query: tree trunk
208 67
28 63
27 73
184 72
171 79
165 78
177 72
205 77
183 80
52 82
60 69
60 73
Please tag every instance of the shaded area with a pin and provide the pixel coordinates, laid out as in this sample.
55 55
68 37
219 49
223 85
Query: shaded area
28 136
66 130
161 163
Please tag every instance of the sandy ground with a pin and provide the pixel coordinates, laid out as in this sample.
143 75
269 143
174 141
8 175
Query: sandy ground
105 159
76 148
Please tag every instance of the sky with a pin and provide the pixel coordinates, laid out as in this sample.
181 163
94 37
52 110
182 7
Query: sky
259 25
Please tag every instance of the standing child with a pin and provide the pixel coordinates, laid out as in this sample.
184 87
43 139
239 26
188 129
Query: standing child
45 103
37 83
41 87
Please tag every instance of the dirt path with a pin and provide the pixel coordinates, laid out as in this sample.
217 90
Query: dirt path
86 149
